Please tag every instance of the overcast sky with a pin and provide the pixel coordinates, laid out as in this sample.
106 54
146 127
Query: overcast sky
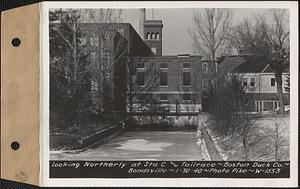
176 39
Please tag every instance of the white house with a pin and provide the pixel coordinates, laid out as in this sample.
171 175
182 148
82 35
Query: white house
258 78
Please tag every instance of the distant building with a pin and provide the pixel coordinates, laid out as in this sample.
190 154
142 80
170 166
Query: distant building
178 86
258 78
179 79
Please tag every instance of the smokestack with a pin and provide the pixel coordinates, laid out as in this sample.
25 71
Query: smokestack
142 18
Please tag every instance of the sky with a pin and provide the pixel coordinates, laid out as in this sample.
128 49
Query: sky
176 23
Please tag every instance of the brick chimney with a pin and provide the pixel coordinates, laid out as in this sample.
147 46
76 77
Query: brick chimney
142 18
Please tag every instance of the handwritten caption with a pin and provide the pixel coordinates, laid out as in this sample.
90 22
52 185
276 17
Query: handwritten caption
178 168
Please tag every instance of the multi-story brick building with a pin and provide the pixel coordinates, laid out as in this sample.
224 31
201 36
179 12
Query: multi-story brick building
123 62
178 83
179 77
110 47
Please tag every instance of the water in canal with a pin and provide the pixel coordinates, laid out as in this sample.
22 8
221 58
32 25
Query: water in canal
150 145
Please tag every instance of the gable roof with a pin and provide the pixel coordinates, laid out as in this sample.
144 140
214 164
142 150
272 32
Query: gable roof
228 63
252 64
255 64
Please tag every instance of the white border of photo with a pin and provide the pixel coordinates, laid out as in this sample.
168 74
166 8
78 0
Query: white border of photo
169 182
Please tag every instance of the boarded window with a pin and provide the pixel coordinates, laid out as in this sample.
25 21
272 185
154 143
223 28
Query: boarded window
272 82
140 78
163 78
186 78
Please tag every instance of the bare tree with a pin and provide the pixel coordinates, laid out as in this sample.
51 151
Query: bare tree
142 80
269 39
101 15
277 34
247 38
69 79
277 138
71 58
210 32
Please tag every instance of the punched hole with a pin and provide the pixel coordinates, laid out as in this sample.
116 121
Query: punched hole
15 145
16 42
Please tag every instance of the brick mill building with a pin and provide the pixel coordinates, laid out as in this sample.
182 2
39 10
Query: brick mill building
114 49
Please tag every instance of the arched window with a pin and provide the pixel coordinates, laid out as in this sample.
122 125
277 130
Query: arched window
153 36
148 35
157 35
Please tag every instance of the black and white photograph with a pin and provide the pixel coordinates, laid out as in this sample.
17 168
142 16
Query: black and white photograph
153 89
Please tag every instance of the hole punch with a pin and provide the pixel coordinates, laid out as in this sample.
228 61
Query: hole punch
15 145
16 42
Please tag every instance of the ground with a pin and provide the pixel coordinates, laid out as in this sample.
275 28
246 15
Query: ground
150 145
262 141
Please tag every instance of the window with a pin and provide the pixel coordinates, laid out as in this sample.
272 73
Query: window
93 56
157 35
163 65
153 35
106 58
204 84
204 68
186 65
163 78
186 96
83 41
252 82
163 97
245 82
141 65
140 78
153 49
246 101
94 85
120 30
186 78
94 41
148 36
106 36
272 82
107 76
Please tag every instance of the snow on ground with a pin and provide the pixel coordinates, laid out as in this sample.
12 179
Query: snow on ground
263 140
